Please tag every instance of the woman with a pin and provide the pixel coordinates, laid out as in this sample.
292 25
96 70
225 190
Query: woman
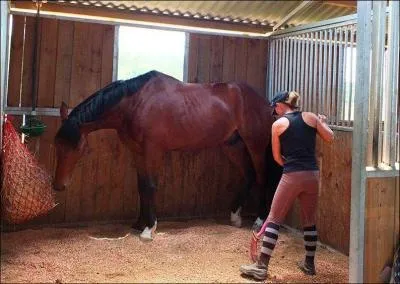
293 147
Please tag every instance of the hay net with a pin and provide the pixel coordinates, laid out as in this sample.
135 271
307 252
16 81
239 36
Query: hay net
26 187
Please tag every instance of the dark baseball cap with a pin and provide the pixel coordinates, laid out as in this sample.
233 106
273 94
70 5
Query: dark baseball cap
281 97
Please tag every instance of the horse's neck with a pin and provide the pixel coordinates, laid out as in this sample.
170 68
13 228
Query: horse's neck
111 121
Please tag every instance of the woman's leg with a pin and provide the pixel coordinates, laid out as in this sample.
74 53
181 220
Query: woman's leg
284 197
308 204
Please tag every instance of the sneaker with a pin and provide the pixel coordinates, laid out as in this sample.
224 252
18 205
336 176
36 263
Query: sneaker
308 269
256 270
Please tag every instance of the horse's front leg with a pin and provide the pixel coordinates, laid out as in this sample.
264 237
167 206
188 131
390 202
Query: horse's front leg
149 166
147 190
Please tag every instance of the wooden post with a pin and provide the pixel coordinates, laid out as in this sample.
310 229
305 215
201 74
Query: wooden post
358 175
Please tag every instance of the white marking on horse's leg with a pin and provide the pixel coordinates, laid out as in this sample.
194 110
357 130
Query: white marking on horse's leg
147 234
257 224
236 219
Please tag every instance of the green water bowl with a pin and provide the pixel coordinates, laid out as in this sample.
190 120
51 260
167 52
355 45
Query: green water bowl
33 127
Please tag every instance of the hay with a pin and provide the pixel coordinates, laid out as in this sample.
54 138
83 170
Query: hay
26 187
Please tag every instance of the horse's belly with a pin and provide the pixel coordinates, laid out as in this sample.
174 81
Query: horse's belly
193 137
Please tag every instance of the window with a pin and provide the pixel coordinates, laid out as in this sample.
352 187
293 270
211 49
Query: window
141 50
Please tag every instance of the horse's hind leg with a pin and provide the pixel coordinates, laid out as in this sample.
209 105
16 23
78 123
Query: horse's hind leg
238 155
257 149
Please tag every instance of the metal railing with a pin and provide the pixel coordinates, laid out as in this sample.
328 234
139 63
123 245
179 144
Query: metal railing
319 62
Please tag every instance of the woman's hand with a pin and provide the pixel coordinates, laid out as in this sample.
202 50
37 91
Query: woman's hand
322 118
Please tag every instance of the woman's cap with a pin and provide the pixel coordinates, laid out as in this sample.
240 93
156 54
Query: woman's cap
290 98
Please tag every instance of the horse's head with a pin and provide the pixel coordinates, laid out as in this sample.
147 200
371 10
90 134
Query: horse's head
68 150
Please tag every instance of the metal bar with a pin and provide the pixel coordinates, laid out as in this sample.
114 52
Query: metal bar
336 22
392 84
291 40
334 75
320 101
316 59
27 110
378 41
306 65
287 64
296 64
279 65
323 96
340 78
300 7
5 19
284 53
345 72
311 88
358 172
270 56
329 82
302 65
350 106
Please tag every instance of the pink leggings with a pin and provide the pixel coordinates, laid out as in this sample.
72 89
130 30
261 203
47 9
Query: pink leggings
304 185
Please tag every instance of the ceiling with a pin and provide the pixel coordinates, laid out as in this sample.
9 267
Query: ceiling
251 16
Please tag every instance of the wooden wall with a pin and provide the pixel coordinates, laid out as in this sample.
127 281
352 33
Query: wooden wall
333 217
382 216
76 60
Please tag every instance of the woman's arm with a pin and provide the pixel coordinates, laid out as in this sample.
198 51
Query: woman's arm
323 129
276 144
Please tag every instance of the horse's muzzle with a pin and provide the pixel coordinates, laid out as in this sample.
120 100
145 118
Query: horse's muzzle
59 187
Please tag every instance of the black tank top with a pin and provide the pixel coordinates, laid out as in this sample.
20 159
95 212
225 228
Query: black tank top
298 145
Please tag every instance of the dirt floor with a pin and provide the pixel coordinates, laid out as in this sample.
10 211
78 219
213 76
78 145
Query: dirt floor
195 251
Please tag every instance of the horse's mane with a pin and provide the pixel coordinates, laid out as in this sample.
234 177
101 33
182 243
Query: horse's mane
94 106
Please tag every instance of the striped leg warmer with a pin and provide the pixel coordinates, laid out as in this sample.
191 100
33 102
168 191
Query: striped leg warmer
310 243
269 241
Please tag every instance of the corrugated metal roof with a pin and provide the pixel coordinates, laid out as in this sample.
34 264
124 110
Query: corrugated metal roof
256 13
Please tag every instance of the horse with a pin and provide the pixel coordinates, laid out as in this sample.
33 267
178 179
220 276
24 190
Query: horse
154 113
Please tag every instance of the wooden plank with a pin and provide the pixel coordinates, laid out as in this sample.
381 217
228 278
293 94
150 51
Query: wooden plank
88 183
118 168
241 60
103 178
16 55
57 215
228 68
47 58
62 84
193 58
264 61
254 68
204 56
131 193
73 202
216 58
80 64
27 78
380 218
107 55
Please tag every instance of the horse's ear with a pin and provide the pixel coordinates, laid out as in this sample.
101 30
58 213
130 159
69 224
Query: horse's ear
63 111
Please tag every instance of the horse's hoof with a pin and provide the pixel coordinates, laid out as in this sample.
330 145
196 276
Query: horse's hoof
236 220
148 233
257 225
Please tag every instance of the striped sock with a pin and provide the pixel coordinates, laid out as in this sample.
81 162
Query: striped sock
310 243
269 241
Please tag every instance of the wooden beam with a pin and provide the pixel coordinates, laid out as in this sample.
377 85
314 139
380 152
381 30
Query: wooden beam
291 14
341 3
149 18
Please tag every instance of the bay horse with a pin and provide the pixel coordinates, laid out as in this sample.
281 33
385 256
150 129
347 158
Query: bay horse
154 113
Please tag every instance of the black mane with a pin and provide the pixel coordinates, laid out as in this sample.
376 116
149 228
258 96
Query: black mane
99 102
